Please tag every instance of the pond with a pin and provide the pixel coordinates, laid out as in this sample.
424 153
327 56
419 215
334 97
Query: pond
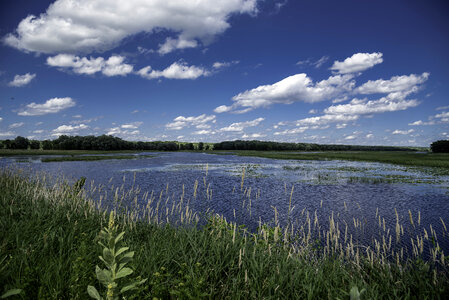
365 200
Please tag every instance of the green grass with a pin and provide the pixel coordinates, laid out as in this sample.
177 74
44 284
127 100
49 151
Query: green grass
93 158
438 160
48 248
9 152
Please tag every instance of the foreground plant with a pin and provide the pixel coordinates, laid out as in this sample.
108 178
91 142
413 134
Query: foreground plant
115 259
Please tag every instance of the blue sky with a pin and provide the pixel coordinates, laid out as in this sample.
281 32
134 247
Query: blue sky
343 72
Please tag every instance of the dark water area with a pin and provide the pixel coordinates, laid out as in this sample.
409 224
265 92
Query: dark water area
366 194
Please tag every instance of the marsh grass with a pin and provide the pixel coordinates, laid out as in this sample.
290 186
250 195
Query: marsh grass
436 160
50 232
93 157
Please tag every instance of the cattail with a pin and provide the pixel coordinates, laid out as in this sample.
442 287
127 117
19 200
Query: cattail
411 218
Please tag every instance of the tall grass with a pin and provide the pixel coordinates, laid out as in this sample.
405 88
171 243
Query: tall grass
49 233
437 160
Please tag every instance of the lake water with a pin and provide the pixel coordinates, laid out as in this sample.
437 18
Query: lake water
360 192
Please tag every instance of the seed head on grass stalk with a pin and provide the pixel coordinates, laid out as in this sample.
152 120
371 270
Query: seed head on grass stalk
115 258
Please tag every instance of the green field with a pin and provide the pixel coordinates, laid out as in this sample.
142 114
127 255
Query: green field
8 152
438 160
93 158
49 250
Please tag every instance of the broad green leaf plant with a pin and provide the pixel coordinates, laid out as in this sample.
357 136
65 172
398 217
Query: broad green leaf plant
115 259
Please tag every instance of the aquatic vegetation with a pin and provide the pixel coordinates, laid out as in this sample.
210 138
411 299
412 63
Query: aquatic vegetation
93 157
49 231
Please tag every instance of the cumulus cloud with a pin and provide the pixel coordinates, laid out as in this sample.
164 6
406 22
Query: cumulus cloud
357 63
50 106
113 66
177 70
292 131
16 125
199 122
403 132
118 131
421 123
326 119
203 132
224 64
365 107
5 134
85 26
295 88
68 129
21 80
350 137
179 43
237 127
253 136
394 84
133 125
440 118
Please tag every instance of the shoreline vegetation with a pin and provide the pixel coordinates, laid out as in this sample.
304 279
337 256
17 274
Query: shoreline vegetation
405 158
93 158
49 250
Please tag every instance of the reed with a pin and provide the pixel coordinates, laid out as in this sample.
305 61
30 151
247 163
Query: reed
50 231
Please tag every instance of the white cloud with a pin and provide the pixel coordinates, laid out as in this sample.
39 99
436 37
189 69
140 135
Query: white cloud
181 122
179 43
85 26
389 103
369 136
219 65
203 132
21 80
51 106
66 129
38 131
321 61
403 132
253 136
117 131
421 123
295 88
357 63
313 111
442 107
309 62
133 125
177 70
350 137
394 84
341 126
292 131
7 134
222 109
113 66
242 125
441 118
16 125
326 119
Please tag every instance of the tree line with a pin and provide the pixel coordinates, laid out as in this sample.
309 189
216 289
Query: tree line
103 143
108 142
275 146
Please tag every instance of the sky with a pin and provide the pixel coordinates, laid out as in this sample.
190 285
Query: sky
321 71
